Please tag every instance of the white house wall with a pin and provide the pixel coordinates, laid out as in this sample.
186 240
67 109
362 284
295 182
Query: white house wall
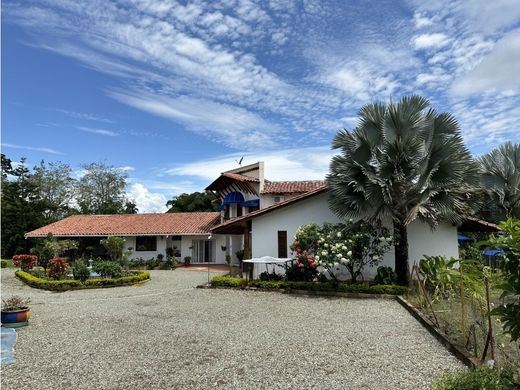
422 240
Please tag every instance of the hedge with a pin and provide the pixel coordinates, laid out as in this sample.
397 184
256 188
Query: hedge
71 284
230 281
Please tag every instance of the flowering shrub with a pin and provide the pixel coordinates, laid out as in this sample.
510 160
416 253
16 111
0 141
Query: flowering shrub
304 267
57 268
350 245
25 262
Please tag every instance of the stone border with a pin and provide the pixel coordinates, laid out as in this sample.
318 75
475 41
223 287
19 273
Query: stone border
462 355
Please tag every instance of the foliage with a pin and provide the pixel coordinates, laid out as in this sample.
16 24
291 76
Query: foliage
101 190
476 379
39 272
3 263
25 262
196 201
509 242
227 281
57 268
51 247
228 262
80 271
500 179
385 275
71 284
115 247
187 260
15 303
240 255
351 245
171 262
108 269
270 276
402 162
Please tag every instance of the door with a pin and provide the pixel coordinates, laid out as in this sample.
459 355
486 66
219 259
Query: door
203 251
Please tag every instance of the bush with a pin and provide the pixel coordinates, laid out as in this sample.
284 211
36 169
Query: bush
171 262
385 275
57 268
270 276
39 272
3 264
476 379
80 271
71 284
228 281
25 262
163 265
108 269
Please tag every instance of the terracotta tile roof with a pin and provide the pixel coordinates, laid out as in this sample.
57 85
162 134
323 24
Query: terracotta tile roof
239 177
130 224
291 187
221 228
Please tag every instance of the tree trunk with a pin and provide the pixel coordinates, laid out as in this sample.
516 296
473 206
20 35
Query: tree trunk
401 253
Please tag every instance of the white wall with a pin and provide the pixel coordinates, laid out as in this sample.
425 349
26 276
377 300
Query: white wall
422 240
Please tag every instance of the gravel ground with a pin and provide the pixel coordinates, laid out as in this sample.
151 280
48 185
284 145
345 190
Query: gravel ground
166 334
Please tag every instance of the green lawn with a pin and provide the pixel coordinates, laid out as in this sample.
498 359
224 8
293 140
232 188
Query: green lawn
9 263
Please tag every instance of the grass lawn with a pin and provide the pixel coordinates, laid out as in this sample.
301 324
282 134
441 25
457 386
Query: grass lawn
9 263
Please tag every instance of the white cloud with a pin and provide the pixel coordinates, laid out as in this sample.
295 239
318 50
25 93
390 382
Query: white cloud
226 124
32 148
499 70
84 115
145 200
288 164
107 133
421 20
427 41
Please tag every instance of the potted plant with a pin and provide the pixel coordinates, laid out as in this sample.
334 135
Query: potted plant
187 261
15 312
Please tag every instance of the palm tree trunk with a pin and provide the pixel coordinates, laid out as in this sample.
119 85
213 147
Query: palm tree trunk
401 252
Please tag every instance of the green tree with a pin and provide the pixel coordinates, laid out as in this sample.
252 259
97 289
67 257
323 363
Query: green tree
55 187
500 180
404 161
196 201
22 209
101 190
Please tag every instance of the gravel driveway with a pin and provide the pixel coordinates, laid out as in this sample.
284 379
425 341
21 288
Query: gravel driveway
166 334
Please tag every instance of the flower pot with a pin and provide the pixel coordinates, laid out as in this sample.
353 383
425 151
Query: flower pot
16 318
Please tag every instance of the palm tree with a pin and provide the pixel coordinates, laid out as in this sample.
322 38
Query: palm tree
500 178
404 161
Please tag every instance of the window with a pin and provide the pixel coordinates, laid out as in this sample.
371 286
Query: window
146 243
239 210
282 244
253 208
278 199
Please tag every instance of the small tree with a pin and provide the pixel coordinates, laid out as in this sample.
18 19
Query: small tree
115 247
509 242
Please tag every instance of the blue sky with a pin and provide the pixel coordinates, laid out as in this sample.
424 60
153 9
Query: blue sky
175 92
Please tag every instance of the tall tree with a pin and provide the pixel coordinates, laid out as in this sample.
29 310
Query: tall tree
404 161
101 190
55 187
196 201
500 180
22 209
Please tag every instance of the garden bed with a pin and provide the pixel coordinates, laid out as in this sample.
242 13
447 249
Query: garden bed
135 277
309 287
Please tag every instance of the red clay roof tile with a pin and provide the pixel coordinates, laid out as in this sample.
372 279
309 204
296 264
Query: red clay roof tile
130 224
291 187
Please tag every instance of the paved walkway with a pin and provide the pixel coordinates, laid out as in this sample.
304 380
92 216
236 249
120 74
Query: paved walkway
166 334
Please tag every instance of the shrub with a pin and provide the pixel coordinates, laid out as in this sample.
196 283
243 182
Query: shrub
163 265
57 268
25 262
39 272
385 275
71 284
80 271
476 379
171 262
15 303
227 281
187 261
3 264
160 257
270 276
108 269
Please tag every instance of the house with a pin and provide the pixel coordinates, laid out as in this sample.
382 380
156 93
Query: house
255 215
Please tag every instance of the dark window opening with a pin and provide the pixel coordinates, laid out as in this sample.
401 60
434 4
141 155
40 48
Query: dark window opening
146 243
253 208
282 244
239 210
